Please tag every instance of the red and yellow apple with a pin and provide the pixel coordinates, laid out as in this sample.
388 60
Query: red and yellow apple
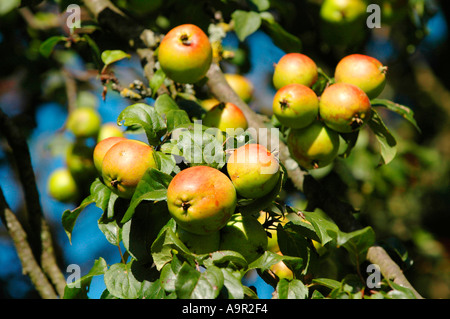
241 85
101 148
225 116
295 68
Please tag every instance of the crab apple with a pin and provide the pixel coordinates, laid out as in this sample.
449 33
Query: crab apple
224 116
79 161
185 54
344 107
62 186
101 148
199 244
245 235
253 170
84 122
124 164
109 130
208 104
241 85
281 270
295 105
313 146
364 71
201 199
295 68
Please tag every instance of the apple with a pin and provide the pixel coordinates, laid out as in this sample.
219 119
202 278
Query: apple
295 68
109 130
253 170
199 244
62 186
364 71
201 199
101 148
185 54
84 122
295 105
245 235
241 85
344 107
79 161
313 146
208 104
124 164
281 270
225 116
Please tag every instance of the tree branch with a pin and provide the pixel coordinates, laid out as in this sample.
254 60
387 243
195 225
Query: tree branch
318 196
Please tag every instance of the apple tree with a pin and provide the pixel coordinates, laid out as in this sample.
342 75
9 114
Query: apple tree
205 178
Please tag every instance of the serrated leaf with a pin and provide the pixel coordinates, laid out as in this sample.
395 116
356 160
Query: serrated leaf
110 56
145 116
192 284
245 23
388 144
291 289
121 283
46 47
79 288
400 109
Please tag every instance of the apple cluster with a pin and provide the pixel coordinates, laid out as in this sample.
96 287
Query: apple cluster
203 201
315 122
84 123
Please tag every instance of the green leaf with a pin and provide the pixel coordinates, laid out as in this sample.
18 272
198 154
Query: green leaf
291 289
387 141
164 103
227 259
156 81
96 56
121 283
281 38
46 47
260 5
79 288
325 228
327 282
152 187
145 116
110 56
350 139
399 292
357 243
166 163
400 109
192 284
175 118
245 23
292 243
233 283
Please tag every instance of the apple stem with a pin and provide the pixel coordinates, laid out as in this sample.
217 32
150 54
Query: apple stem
284 104
383 69
356 122
114 183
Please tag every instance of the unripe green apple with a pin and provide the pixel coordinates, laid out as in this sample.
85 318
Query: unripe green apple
201 199
62 186
124 164
199 244
241 85
185 54
364 71
208 104
253 170
84 122
109 130
295 68
245 235
101 148
344 107
225 116
79 161
295 105
313 146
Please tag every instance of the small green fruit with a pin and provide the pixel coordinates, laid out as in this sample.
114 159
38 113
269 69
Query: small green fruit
62 186
84 122
199 244
79 161
109 130
313 146
245 235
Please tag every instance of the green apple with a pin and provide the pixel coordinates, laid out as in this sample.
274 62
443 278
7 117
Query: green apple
124 164
253 170
241 85
199 244
79 161
84 122
201 199
185 54
344 107
62 186
314 146
109 130
295 105
245 235
225 116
